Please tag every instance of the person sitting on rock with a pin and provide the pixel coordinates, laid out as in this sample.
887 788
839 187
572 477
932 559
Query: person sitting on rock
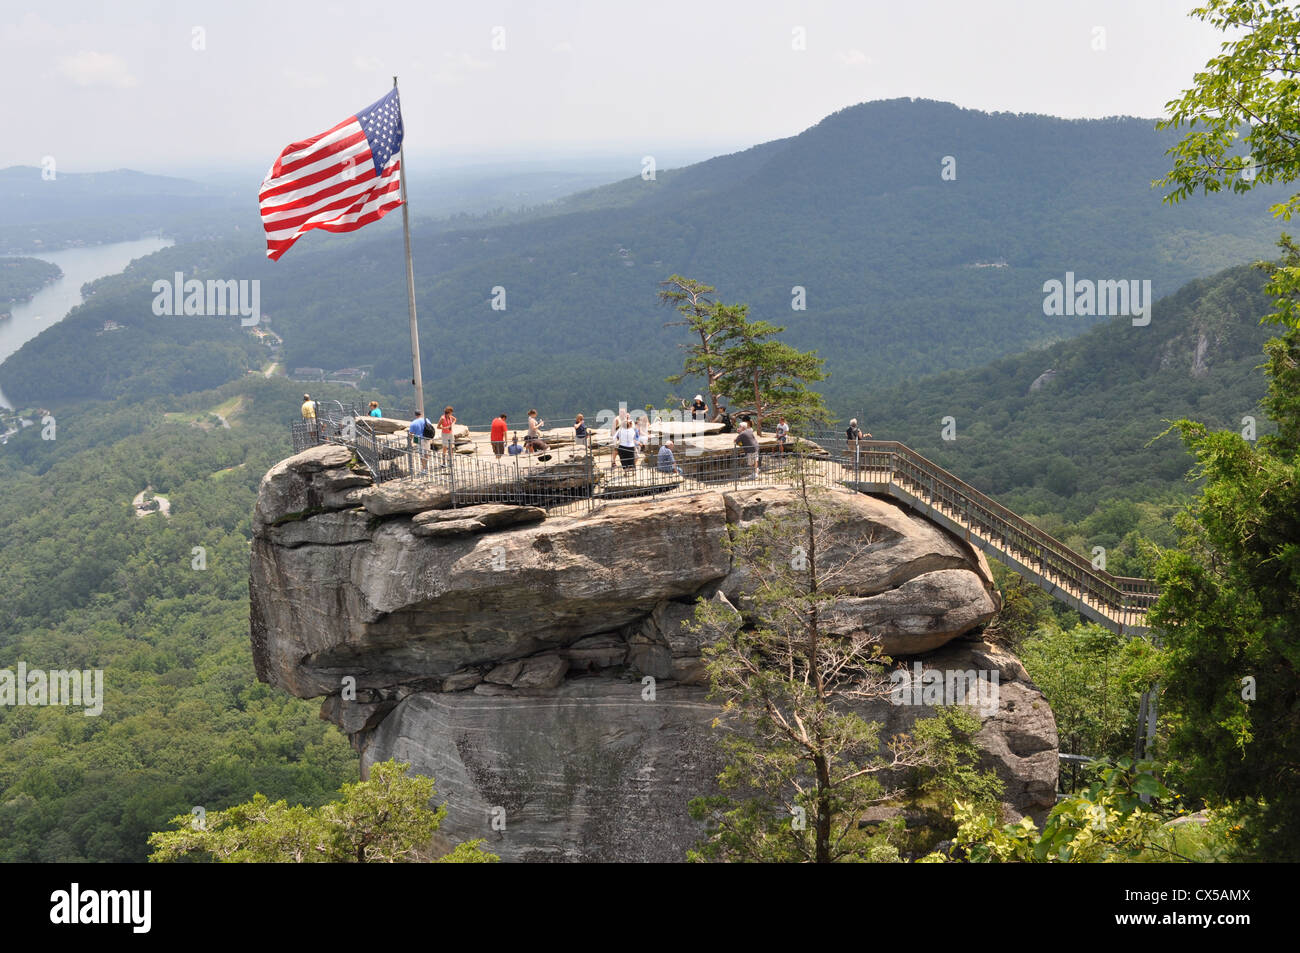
667 463
535 441
699 409
374 409
514 448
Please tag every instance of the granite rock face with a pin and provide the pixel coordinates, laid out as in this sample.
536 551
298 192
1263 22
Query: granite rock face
539 667
597 769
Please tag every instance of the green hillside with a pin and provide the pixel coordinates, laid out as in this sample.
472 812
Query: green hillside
20 278
1086 433
91 585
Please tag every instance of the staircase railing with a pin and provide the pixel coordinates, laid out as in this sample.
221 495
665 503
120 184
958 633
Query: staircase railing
1121 601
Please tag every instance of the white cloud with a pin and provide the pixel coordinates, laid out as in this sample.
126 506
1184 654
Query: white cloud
89 68
564 46
300 80
453 69
853 59
368 64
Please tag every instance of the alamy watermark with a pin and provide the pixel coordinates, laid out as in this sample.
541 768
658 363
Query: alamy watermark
975 688
1107 298
176 297
55 688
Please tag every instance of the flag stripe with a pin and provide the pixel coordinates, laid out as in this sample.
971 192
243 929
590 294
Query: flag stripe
330 181
328 211
368 208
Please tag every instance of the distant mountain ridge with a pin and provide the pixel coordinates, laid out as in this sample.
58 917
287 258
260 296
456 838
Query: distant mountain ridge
855 211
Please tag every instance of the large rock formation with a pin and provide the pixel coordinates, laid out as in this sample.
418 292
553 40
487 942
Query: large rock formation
537 667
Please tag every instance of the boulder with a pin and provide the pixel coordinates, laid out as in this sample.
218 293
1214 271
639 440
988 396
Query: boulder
405 496
300 485
490 515
877 544
920 615
443 528
506 659
393 606
541 672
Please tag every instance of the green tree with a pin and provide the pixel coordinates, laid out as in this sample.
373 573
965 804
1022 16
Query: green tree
1243 120
1230 602
713 323
769 378
1247 94
1093 681
1109 822
802 765
1230 609
385 819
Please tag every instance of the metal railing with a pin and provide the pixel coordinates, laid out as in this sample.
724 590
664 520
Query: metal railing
1118 602
579 476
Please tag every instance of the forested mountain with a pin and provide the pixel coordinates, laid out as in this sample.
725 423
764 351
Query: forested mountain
906 273
160 604
1059 429
20 278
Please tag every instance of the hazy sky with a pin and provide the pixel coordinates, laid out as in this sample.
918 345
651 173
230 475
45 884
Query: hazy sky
167 86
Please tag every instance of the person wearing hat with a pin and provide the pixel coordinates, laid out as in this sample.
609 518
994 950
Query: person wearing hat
855 434
699 409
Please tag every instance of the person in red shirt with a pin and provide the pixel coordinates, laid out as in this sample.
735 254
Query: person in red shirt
498 435
446 427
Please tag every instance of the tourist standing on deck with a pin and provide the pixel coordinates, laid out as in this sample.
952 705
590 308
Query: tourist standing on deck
446 425
625 438
309 418
855 436
498 435
422 431
745 439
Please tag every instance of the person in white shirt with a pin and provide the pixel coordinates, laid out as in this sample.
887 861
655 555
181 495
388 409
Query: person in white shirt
626 439
782 432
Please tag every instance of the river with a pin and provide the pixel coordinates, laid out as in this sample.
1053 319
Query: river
53 302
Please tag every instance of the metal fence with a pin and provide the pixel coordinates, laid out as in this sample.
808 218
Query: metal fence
576 477
570 476
1120 602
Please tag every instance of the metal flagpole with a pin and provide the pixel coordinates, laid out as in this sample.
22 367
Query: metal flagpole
417 378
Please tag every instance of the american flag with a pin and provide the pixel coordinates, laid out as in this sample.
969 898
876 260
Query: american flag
341 180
